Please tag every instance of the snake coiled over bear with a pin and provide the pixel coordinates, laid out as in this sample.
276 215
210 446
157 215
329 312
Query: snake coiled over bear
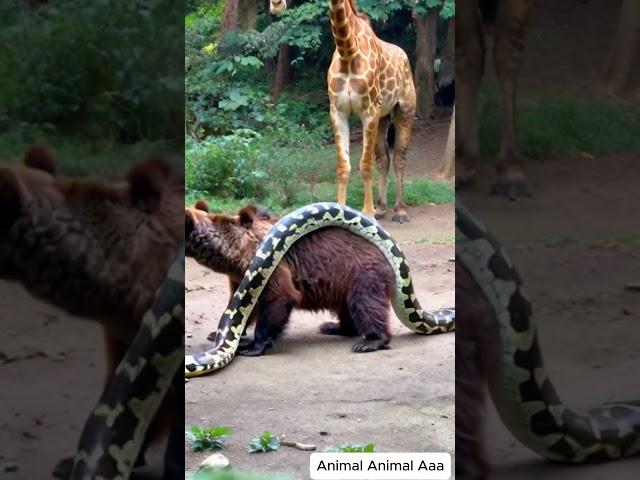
520 387
275 245
114 434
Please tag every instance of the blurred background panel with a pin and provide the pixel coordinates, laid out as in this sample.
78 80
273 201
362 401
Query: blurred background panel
574 241
101 83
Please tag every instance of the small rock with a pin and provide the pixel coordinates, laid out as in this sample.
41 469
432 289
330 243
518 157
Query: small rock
626 311
217 461
10 467
632 287
324 433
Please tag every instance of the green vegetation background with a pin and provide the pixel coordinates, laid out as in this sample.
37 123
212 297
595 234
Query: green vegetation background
102 82
241 147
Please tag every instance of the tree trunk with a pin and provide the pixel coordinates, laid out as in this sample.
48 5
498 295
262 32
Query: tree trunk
248 14
448 169
450 48
283 74
240 15
230 16
626 47
426 26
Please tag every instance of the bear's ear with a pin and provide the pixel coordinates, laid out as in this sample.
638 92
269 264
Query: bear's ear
40 157
250 213
11 198
147 181
202 205
189 223
247 215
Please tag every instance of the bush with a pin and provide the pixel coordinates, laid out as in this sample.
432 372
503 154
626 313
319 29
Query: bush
97 68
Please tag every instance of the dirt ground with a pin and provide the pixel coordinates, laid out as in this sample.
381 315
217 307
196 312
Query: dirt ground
400 399
51 371
312 388
576 247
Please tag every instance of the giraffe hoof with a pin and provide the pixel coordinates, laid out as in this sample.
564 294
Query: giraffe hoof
63 469
370 214
511 189
465 178
400 217
380 213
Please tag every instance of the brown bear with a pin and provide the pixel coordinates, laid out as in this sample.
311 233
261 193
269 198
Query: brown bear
97 250
329 269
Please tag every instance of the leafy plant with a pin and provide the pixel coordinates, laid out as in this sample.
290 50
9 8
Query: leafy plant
266 442
208 439
234 475
347 448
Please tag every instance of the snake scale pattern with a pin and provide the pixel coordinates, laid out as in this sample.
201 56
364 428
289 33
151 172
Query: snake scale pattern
115 431
522 390
274 246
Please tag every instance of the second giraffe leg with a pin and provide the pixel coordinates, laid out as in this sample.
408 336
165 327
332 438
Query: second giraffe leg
508 48
382 162
370 134
340 124
402 120
470 58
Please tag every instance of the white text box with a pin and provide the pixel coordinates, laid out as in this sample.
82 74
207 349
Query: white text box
380 466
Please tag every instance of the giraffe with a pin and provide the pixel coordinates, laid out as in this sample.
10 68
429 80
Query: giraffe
505 22
373 80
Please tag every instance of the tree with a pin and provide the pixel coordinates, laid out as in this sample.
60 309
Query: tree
284 73
240 15
626 47
230 17
447 171
425 14
424 77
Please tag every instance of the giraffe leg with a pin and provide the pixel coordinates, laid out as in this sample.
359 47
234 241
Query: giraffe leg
470 57
509 44
370 133
403 122
382 161
340 124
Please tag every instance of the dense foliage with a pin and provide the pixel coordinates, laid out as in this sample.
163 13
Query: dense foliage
103 69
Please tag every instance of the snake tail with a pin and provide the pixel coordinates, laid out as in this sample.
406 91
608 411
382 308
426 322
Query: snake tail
521 389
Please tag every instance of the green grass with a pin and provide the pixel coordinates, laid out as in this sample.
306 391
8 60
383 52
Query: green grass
233 171
561 125
417 192
78 157
234 475
446 240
